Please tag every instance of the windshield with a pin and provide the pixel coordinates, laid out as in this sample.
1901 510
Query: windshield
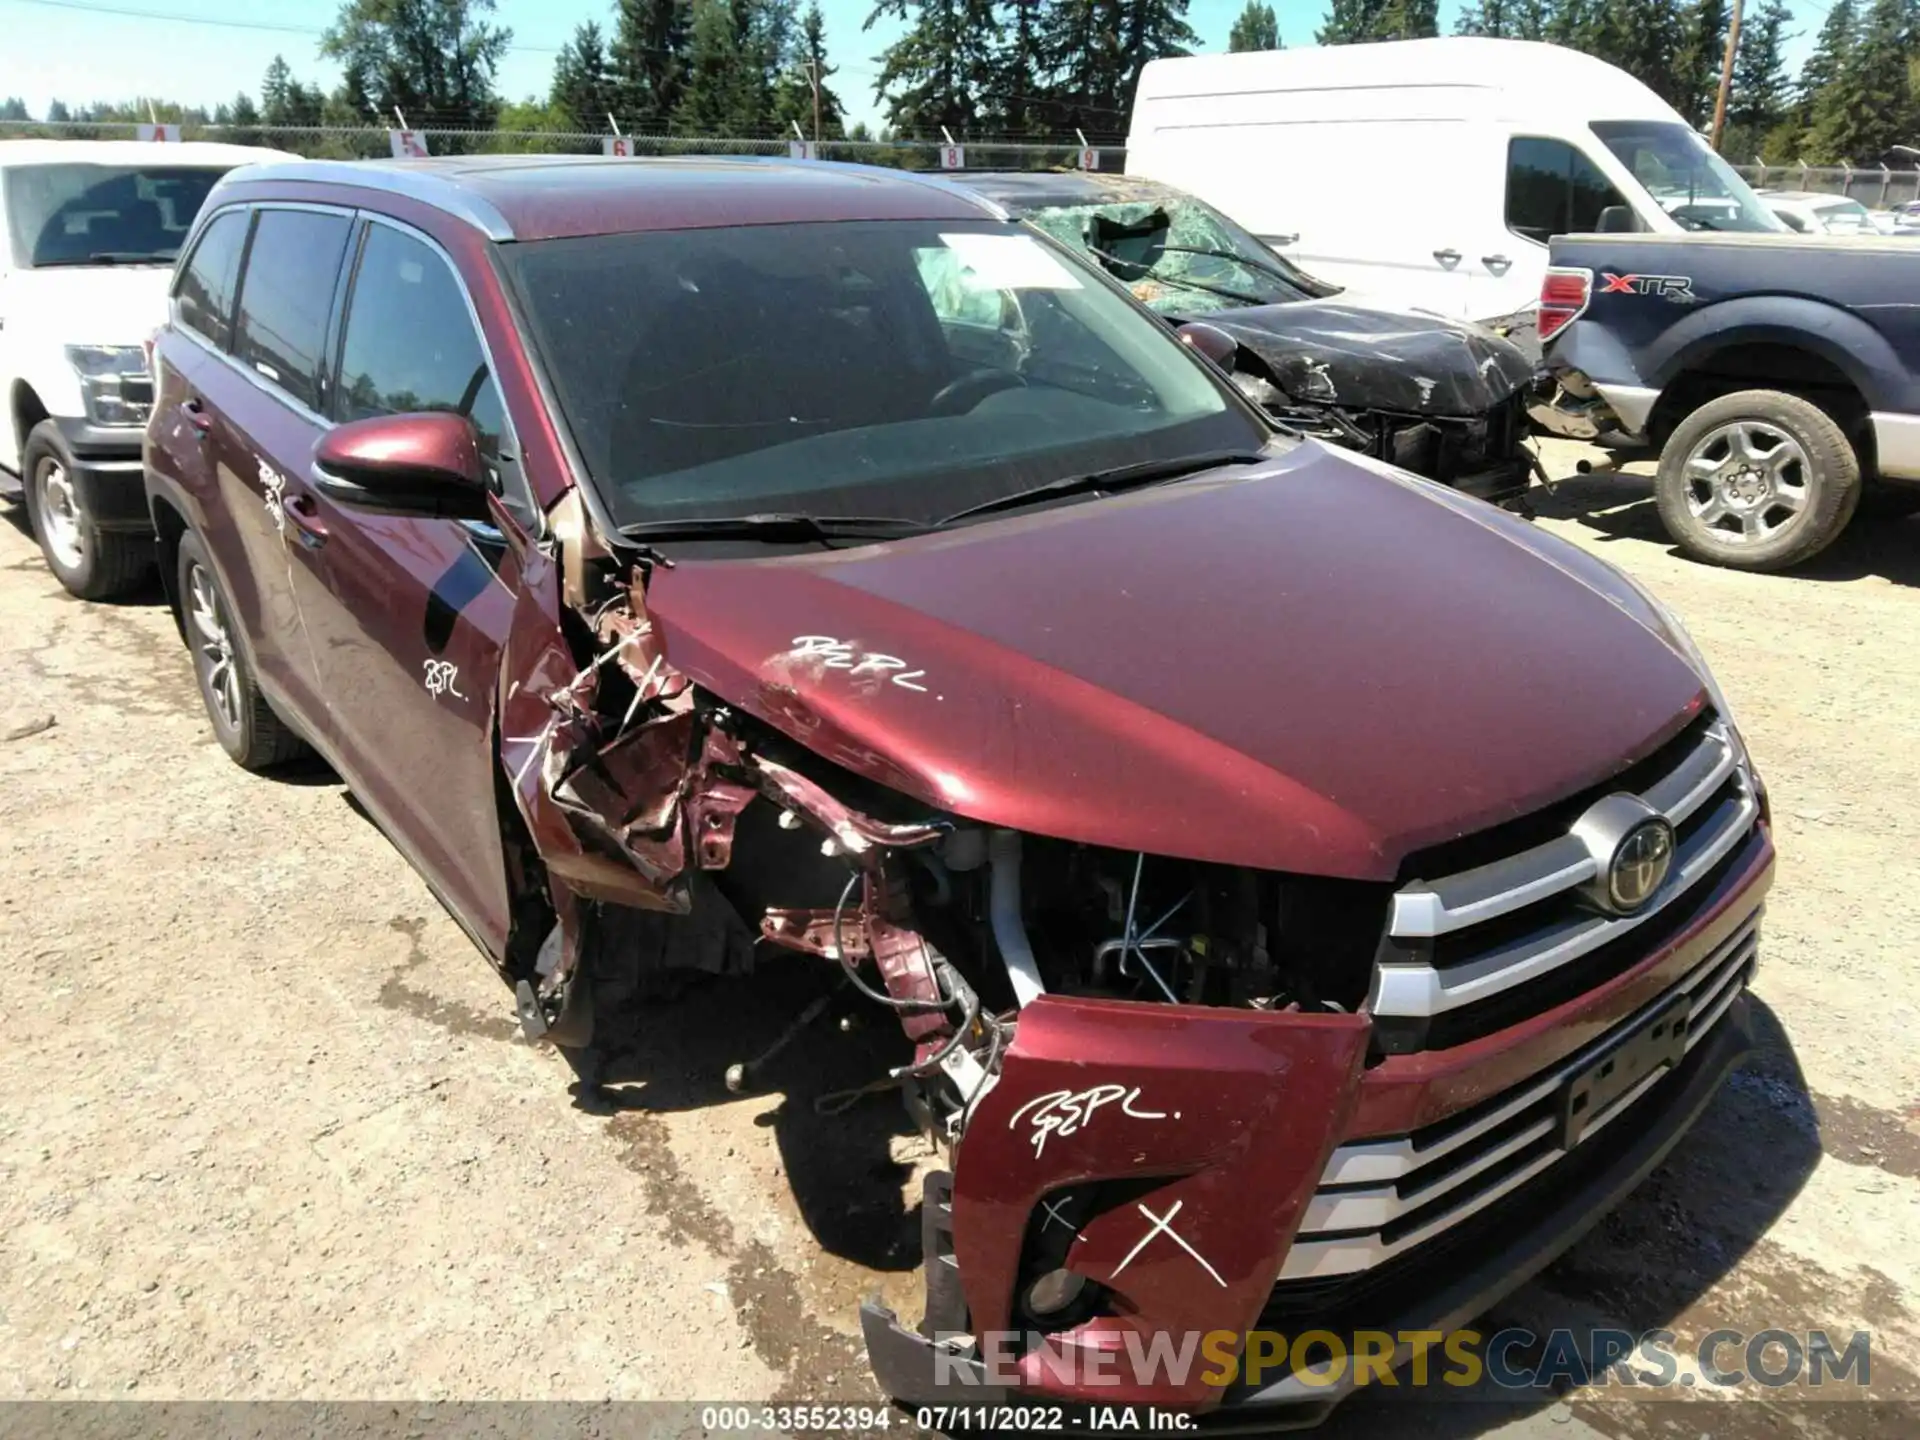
883 368
1846 217
1684 177
1177 255
103 214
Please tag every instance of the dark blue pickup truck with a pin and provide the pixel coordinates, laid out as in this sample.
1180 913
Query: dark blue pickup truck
1778 376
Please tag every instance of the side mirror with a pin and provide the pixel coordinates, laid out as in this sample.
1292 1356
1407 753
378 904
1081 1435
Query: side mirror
1211 341
423 464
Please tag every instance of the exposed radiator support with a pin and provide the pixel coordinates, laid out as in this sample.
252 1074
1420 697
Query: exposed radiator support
1009 933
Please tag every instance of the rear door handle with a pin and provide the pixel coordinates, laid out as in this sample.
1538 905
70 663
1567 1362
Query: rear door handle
196 414
304 516
1496 263
1448 257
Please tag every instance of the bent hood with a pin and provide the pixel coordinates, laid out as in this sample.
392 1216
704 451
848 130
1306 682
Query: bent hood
1316 664
1332 352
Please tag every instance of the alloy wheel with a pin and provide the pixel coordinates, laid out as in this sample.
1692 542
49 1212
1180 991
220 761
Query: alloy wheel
1747 481
221 678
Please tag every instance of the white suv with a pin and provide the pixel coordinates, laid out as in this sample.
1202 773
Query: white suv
88 235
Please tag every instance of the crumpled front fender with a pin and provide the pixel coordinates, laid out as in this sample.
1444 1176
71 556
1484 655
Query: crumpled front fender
1216 1126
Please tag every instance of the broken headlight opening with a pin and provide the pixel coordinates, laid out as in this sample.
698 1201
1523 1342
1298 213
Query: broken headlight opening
1483 455
675 833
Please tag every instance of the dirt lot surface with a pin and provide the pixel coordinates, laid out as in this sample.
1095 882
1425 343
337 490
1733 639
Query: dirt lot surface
266 1130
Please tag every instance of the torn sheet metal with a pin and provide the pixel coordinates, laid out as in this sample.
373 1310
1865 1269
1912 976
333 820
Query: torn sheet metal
855 833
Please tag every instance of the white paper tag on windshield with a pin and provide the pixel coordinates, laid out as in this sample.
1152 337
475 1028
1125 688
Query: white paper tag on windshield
1009 262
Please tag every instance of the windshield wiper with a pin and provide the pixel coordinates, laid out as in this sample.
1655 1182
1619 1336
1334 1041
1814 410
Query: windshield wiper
1181 282
1247 260
1120 477
776 527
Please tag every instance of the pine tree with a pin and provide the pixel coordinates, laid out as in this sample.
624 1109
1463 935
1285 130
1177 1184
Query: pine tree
1017 101
648 57
1080 55
726 90
1869 106
434 60
934 75
807 66
1761 98
1256 29
57 112
14 108
1153 29
1505 19
1698 58
583 93
274 88
1354 21
1574 23
285 101
1832 49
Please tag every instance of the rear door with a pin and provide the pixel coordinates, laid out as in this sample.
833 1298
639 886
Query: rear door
409 629
242 412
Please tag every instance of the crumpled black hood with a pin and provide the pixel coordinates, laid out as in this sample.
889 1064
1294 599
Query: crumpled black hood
1326 352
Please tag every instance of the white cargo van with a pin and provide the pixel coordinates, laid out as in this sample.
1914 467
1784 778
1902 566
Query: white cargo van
88 234
1429 173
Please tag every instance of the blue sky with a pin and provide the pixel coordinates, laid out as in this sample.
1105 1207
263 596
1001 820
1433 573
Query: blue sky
84 50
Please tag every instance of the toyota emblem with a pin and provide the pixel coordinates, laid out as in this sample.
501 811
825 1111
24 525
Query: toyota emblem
1640 865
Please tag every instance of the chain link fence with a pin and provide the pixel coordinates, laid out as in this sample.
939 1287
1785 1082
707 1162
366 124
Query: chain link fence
1877 187
333 142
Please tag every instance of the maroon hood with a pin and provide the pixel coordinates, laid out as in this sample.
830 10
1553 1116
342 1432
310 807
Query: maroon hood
1314 665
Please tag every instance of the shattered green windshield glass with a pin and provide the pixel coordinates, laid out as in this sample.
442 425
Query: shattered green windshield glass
1177 258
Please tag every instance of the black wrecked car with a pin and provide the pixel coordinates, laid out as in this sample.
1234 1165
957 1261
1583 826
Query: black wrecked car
1440 398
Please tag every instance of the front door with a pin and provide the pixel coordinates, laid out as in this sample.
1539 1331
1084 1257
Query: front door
408 632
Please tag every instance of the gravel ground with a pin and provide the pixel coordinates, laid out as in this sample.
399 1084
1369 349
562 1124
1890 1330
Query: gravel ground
266 1130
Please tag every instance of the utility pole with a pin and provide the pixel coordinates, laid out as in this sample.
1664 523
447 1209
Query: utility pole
813 78
1726 75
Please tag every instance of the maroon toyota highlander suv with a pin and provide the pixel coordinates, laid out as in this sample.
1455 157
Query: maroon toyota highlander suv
1313 897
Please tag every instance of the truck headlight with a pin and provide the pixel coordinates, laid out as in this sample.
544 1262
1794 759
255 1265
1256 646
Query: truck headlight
115 383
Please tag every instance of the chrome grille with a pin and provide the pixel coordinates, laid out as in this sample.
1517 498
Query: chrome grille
1380 1198
1468 937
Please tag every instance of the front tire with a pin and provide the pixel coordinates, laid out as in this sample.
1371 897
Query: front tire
91 563
1757 480
243 722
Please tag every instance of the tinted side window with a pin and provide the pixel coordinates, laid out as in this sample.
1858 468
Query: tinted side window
410 342
286 295
1553 189
206 286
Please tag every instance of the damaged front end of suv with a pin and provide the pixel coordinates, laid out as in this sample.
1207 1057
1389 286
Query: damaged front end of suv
1208 1041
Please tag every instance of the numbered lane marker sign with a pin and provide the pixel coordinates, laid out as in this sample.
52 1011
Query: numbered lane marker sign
1089 159
953 157
801 150
164 134
618 147
407 144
